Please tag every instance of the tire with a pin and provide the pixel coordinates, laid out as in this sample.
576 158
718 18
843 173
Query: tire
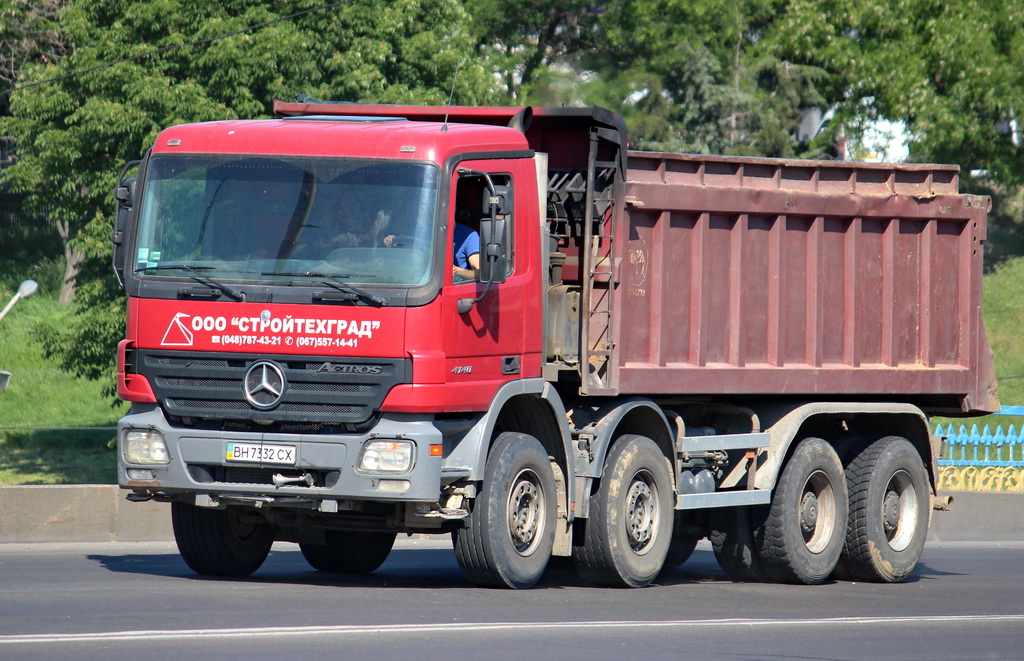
683 544
805 529
347 552
889 508
508 536
732 536
627 535
220 542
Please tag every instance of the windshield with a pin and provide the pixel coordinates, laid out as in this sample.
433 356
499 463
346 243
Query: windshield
283 219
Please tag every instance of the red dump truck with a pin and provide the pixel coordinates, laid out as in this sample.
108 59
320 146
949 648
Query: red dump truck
501 324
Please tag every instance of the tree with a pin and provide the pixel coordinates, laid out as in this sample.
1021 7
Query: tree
74 134
691 76
521 39
953 72
28 33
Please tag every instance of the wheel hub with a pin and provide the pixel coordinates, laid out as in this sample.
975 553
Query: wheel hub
809 512
640 514
891 512
524 504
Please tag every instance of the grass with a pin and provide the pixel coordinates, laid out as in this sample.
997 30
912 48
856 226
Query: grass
55 428
1003 311
1004 319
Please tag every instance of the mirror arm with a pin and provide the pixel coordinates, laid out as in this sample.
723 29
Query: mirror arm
466 304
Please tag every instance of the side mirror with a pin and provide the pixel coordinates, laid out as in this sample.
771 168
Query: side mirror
125 193
502 199
493 255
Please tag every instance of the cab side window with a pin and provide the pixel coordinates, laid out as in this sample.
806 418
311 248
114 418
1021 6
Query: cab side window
472 205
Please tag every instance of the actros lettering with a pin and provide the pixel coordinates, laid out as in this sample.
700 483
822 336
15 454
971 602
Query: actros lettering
342 368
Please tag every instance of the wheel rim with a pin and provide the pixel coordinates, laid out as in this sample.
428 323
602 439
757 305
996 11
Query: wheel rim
526 512
642 512
817 512
899 510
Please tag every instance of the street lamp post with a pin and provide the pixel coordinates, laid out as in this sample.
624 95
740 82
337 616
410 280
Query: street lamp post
26 289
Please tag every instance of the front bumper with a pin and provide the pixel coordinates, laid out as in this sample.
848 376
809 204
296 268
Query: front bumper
198 464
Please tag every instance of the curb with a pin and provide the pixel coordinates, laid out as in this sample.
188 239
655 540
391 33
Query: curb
79 513
979 516
100 513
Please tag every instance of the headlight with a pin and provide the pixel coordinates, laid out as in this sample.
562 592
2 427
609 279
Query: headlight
145 447
386 457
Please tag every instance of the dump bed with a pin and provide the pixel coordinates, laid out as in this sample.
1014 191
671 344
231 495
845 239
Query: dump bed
833 280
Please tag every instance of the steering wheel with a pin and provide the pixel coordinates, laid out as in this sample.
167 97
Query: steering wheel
407 241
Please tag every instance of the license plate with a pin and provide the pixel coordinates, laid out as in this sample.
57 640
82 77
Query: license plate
258 453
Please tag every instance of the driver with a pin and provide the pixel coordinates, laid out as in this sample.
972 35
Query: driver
346 230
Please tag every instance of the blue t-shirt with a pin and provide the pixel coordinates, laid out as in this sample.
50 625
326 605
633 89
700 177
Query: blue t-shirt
467 243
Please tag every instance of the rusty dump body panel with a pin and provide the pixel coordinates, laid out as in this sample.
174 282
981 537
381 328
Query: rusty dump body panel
831 280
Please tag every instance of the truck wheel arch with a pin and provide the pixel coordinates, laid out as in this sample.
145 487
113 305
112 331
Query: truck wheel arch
635 415
530 406
785 424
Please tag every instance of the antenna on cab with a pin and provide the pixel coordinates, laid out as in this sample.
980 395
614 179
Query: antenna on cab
444 126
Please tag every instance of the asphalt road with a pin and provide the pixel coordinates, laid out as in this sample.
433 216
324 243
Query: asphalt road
140 601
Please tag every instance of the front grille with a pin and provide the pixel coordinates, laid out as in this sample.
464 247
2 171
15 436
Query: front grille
204 387
287 407
336 388
174 361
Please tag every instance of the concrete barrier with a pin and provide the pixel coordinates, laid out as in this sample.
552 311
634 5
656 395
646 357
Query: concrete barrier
100 513
989 516
79 513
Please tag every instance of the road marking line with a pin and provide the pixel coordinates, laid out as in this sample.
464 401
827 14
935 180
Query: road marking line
153 635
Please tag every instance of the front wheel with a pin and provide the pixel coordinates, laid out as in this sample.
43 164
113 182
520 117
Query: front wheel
628 532
228 542
347 552
889 508
510 531
806 525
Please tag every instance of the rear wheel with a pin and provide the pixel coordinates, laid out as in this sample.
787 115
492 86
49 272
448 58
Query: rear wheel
228 542
733 530
889 508
628 532
805 529
347 552
510 531
683 544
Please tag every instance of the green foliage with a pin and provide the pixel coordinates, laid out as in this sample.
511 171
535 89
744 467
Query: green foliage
30 250
75 134
687 76
521 39
28 32
954 72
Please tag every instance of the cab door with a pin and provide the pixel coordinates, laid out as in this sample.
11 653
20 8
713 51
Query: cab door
498 340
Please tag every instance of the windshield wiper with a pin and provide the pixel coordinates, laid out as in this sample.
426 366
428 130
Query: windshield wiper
197 273
332 280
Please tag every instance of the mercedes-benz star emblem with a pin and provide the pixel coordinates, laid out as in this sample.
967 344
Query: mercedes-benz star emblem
264 385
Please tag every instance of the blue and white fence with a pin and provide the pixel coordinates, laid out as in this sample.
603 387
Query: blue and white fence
983 448
982 460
